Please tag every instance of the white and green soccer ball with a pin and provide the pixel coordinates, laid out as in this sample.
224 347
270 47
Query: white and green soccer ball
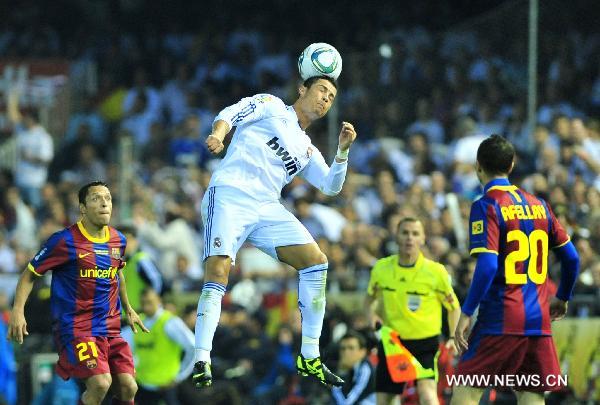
320 59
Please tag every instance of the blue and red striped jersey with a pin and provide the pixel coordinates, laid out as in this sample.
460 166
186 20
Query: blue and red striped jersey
84 296
520 228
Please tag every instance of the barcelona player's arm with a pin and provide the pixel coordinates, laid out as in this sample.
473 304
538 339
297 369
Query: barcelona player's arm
132 317
50 256
17 328
484 243
569 267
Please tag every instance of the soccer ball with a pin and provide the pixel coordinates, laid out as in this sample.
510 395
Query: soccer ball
320 59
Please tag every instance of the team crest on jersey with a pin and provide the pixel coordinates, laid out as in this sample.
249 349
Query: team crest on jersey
414 302
264 98
217 242
91 364
309 152
116 253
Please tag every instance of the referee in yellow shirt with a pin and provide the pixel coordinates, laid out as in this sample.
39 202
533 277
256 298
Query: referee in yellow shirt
405 294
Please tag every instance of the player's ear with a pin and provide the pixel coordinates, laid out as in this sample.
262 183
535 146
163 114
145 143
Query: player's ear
82 208
512 166
478 167
301 90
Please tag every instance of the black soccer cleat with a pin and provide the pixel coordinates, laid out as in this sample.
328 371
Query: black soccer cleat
202 376
315 368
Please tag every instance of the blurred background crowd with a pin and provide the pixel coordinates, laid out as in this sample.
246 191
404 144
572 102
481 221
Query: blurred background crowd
423 84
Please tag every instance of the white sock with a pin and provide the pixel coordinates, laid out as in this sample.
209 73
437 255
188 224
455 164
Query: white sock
209 312
311 302
202 355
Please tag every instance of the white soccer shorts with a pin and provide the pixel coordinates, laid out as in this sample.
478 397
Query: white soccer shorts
231 217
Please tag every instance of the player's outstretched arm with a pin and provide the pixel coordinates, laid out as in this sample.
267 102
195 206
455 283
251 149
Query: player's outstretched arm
17 327
132 317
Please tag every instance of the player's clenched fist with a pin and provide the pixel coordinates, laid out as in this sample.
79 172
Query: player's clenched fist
347 136
214 144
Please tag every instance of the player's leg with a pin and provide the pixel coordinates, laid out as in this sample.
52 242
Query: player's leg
530 398
462 395
386 398
540 361
86 358
228 216
312 275
312 265
123 389
96 388
120 361
216 274
280 234
427 390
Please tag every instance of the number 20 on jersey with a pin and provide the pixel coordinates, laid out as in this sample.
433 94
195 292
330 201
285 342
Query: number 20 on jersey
530 247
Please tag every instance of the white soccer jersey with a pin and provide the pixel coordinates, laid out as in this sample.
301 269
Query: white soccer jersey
269 148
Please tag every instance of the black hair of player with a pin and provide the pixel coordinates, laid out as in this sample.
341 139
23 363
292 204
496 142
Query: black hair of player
312 80
83 191
496 155
362 342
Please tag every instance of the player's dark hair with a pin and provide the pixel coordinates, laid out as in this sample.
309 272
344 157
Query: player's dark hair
495 155
362 342
312 80
83 191
33 114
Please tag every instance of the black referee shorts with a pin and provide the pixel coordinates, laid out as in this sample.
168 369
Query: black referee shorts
425 350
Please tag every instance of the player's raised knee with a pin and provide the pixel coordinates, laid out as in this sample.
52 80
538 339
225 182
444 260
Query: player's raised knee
217 269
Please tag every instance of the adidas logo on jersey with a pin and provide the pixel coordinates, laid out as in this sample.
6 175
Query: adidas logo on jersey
292 165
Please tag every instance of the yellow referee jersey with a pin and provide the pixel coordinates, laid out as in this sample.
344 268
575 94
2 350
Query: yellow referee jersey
412 297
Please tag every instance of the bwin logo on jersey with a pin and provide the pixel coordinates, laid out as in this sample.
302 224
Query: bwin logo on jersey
292 165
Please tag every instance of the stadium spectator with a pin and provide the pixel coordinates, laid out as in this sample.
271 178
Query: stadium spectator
356 370
140 270
35 150
165 356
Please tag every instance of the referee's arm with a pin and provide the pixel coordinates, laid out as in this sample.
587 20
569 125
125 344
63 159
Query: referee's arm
372 307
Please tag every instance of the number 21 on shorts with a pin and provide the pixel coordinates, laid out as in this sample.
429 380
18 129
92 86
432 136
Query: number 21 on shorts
530 247
85 350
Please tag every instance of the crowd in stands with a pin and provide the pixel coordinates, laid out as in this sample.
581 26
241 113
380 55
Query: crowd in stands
421 103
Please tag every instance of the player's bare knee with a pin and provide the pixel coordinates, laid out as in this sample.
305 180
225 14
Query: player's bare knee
100 385
321 258
128 390
217 269
315 259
